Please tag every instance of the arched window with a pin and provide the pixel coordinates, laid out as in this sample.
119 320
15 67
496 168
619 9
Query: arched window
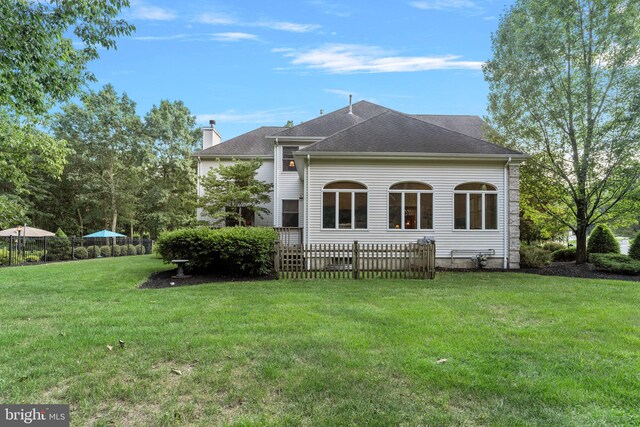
475 206
344 205
410 206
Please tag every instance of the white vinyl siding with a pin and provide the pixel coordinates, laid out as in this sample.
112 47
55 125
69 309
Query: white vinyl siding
289 187
378 176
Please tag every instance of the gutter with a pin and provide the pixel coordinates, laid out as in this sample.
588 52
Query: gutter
414 156
505 243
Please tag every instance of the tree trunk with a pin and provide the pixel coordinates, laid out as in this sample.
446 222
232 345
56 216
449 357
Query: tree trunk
581 235
114 222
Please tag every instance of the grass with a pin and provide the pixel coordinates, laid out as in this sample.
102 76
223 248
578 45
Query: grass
520 349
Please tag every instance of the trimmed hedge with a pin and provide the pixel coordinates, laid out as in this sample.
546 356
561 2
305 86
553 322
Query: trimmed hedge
245 251
532 257
634 249
602 241
131 250
105 251
80 253
116 250
124 250
140 250
93 251
58 247
564 255
615 263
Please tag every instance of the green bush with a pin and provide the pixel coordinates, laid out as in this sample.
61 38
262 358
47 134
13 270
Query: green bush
553 246
564 255
602 241
634 249
93 251
532 257
131 250
116 250
4 256
58 247
124 250
140 250
245 251
80 253
105 251
615 263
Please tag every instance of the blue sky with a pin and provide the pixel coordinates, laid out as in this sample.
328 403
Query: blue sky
255 63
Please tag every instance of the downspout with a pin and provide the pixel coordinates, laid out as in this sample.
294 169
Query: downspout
505 186
306 200
275 184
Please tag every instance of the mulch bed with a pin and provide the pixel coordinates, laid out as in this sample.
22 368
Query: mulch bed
163 279
571 269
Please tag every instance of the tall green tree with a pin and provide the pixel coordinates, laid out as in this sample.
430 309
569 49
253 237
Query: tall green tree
565 86
39 67
109 152
168 196
232 191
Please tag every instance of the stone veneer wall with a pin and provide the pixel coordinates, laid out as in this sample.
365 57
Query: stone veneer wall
514 216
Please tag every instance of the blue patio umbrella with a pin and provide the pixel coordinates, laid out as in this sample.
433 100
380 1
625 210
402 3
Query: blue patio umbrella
103 233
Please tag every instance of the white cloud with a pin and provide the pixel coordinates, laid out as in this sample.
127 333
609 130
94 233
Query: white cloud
352 58
216 18
148 12
445 5
225 19
272 117
233 37
202 37
341 93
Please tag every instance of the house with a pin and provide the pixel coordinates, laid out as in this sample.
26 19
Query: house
375 175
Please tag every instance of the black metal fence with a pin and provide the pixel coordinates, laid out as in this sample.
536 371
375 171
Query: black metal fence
22 250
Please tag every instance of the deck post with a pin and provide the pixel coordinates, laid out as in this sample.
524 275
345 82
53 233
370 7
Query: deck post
354 259
276 258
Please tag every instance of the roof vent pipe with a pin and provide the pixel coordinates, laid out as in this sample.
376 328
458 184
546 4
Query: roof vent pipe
350 109
212 123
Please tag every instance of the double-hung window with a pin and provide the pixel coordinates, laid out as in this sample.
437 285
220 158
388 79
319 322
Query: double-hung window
288 162
475 206
410 206
290 213
344 205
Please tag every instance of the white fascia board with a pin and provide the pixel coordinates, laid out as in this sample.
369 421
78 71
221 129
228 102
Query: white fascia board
421 156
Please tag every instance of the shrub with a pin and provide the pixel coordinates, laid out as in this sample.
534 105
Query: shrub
93 251
602 241
243 251
140 250
553 246
532 257
58 247
634 249
124 250
4 256
564 255
615 263
80 253
131 250
105 251
116 250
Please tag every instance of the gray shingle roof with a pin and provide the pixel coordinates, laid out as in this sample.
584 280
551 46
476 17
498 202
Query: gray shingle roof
333 122
252 143
468 125
393 132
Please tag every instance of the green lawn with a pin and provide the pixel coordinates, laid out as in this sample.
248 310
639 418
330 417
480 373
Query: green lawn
520 349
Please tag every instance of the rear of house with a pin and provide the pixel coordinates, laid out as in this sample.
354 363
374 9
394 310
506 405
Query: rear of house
370 174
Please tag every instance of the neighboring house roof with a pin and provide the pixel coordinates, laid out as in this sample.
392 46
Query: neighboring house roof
393 132
333 122
468 125
252 143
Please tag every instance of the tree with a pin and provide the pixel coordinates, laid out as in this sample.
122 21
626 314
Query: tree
109 152
602 241
168 196
39 66
565 86
232 191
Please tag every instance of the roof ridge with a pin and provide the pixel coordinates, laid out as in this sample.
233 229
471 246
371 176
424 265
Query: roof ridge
328 114
347 128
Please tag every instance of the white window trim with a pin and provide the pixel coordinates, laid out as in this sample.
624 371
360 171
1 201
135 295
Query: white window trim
282 212
418 211
336 191
468 211
282 147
